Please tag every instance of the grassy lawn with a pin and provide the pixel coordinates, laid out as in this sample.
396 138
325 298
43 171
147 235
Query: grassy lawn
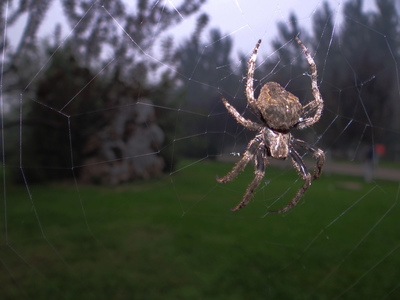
175 238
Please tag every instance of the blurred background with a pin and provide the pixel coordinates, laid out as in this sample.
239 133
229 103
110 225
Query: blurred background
113 132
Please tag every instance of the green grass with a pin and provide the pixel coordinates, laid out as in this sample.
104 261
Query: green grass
175 238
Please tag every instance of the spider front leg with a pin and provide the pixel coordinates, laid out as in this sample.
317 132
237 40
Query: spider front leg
305 175
239 118
261 163
241 164
317 104
251 66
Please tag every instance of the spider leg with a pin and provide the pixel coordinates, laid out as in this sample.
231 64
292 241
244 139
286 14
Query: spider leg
250 78
316 152
261 162
317 104
305 175
241 164
239 118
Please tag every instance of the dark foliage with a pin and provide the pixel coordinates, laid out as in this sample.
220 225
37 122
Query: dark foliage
357 68
60 119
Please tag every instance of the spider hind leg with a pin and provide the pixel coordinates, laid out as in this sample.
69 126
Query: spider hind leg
316 152
305 175
261 163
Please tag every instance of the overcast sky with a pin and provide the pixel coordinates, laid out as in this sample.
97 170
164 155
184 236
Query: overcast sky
245 21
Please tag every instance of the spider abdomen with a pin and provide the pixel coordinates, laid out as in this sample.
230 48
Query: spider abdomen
280 109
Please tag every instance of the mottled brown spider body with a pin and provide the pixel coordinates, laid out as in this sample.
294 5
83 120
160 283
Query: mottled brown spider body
279 112
280 109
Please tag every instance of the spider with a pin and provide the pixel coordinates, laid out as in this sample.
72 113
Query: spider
279 112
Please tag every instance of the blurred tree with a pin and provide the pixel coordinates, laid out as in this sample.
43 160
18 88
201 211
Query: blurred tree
370 49
329 63
96 26
68 84
47 128
35 12
357 69
206 69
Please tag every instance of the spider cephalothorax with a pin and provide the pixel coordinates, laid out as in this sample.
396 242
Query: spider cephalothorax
279 111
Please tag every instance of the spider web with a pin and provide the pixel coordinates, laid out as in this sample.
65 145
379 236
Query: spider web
337 242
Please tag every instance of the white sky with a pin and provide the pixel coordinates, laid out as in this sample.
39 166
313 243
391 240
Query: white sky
245 21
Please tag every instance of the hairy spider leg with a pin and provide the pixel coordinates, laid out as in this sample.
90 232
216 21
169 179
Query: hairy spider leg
239 118
305 175
250 79
316 152
260 164
241 164
317 104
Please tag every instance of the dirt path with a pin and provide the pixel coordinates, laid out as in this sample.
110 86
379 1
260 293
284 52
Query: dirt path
359 169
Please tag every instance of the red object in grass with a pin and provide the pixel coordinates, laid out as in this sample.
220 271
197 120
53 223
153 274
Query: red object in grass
380 149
